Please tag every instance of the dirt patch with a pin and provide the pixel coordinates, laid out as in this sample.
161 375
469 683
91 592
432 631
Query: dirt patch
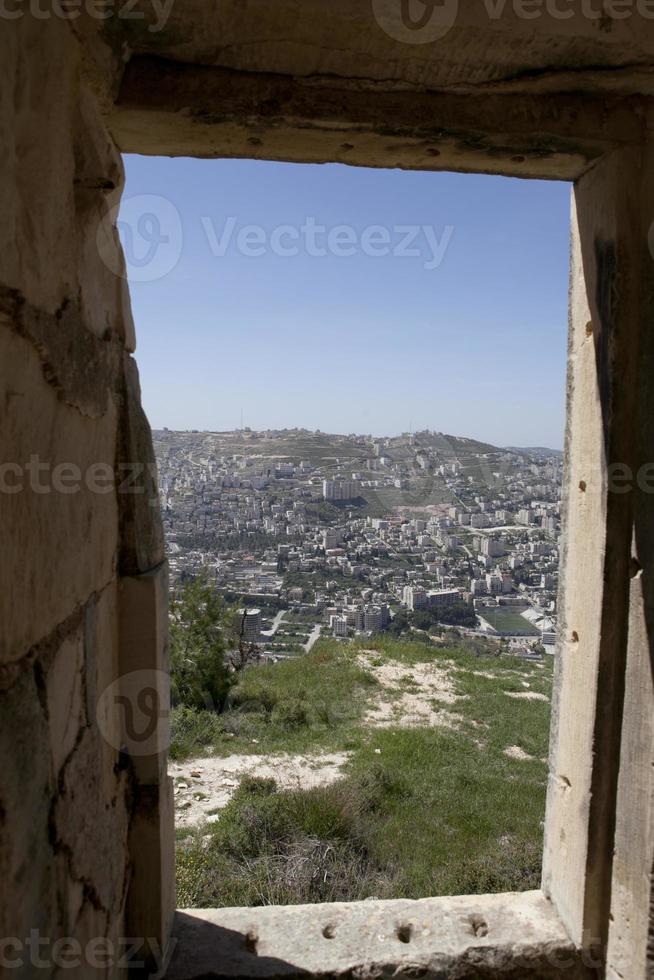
205 785
526 695
415 694
515 752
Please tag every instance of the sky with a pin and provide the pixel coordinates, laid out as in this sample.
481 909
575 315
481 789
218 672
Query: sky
346 299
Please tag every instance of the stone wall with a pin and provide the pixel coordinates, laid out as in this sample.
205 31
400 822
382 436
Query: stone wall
75 796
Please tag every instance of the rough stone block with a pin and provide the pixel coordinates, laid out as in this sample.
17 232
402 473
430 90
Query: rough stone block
28 867
144 690
473 937
90 823
151 896
65 686
58 506
141 533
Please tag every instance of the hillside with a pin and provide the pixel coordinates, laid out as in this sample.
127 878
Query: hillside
389 769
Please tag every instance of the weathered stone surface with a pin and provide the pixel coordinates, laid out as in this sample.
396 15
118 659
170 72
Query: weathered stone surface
480 46
64 324
38 90
66 708
83 369
184 109
611 288
54 212
101 681
151 896
514 935
102 276
144 685
28 870
631 929
60 533
89 822
141 532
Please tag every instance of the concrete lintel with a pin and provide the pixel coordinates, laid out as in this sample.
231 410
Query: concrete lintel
172 108
506 935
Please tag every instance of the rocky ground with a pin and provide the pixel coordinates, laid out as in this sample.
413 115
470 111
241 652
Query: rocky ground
204 786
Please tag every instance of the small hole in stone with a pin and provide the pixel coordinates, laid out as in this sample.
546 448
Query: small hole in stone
347 146
433 152
518 159
582 486
329 931
589 329
575 637
479 926
404 932
250 941
254 141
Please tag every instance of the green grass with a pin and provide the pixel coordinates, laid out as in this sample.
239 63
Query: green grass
194 732
419 811
307 703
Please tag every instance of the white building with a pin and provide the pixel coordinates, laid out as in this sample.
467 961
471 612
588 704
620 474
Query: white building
250 625
339 625
340 489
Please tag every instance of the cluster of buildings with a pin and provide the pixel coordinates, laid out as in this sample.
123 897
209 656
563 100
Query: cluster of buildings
349 530
366 618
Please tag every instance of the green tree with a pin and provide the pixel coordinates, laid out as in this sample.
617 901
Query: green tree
200 631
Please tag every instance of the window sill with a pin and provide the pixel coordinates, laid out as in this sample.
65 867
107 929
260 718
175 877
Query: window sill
514 935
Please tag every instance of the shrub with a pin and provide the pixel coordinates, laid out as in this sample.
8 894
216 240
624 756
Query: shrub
192 731
199 628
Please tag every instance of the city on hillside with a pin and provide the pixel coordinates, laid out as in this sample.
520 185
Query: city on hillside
314 534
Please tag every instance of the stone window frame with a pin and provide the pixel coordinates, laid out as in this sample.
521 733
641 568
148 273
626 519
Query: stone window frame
590 911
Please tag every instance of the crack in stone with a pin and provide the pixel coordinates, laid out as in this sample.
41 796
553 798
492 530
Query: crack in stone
82 368
48 645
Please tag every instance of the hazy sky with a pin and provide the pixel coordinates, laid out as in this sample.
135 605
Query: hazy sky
441 304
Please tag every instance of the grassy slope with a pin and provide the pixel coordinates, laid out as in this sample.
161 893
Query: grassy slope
420 811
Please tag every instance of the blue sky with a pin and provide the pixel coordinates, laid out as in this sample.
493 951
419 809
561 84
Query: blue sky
442 304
